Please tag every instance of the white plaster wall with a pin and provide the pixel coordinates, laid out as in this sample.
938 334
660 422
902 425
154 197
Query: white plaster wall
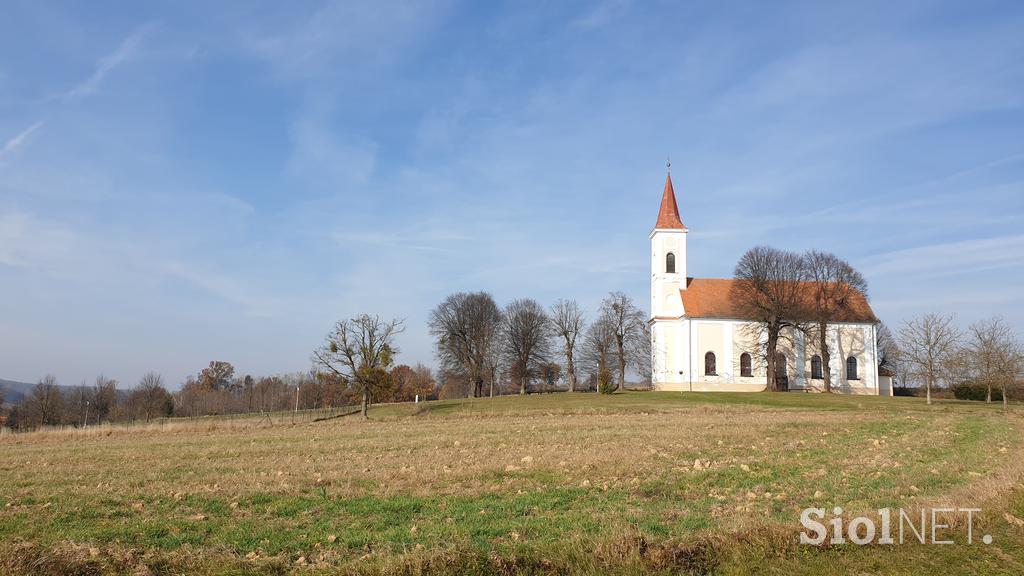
683 343
665 300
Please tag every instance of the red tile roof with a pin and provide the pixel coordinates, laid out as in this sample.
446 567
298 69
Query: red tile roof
709 298
668 215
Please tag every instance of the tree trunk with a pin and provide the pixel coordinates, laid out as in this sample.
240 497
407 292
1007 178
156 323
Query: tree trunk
928 390
622 367
1004 399
826 356
621 345
570 369
522 384
366 403
770 347
988 393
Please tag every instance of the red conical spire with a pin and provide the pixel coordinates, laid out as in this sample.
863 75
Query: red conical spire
668 215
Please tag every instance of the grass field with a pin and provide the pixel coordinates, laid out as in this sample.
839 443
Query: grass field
634 483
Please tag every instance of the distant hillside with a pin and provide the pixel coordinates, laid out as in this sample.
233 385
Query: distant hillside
14 392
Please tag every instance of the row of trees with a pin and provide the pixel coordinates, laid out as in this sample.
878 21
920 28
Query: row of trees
933 351
480 345
49 404
215 390
486 350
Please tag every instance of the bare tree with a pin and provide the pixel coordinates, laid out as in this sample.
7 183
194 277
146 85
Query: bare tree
626 321
993 355
567 323
599 350
492 369
640 355
927 344
45 404
836 287
526 338
549 374
467 328
76 404
248 383
890 356
769 290
150 399
361 350
104 397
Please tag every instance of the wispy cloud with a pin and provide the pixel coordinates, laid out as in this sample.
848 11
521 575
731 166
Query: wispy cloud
962 257
125 51
602 14
32 243
341 37
19 140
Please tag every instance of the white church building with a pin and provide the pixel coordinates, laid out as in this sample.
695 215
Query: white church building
701 342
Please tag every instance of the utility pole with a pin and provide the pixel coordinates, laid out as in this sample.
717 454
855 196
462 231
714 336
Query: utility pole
86 425
296 413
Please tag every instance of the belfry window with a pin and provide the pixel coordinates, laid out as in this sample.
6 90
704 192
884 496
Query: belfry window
670 263
745 365
709 364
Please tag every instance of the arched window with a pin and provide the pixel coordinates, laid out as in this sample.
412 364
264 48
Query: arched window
709 364
851 368
816 367
744 365
670 263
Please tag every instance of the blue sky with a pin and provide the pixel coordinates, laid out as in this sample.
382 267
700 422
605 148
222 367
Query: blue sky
182 182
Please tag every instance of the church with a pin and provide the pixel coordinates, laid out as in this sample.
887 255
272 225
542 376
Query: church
700 341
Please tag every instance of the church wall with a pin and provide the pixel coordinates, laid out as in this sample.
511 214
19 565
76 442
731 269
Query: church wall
670 348
728 339
845 340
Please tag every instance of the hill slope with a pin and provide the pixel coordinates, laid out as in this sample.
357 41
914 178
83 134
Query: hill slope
15 392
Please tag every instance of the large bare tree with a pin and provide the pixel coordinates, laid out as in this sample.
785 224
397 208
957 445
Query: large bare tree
769 289
361 350
150 399
927 343
627 324
598 350
994 355
467 328
104 397
567 323
526 338
836 286
44 405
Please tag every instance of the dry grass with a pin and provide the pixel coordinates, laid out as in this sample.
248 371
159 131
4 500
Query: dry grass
637 483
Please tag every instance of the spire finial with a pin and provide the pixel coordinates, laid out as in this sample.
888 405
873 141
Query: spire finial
668 163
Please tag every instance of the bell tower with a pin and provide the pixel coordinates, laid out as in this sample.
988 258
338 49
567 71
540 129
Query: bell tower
668 257
669 338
